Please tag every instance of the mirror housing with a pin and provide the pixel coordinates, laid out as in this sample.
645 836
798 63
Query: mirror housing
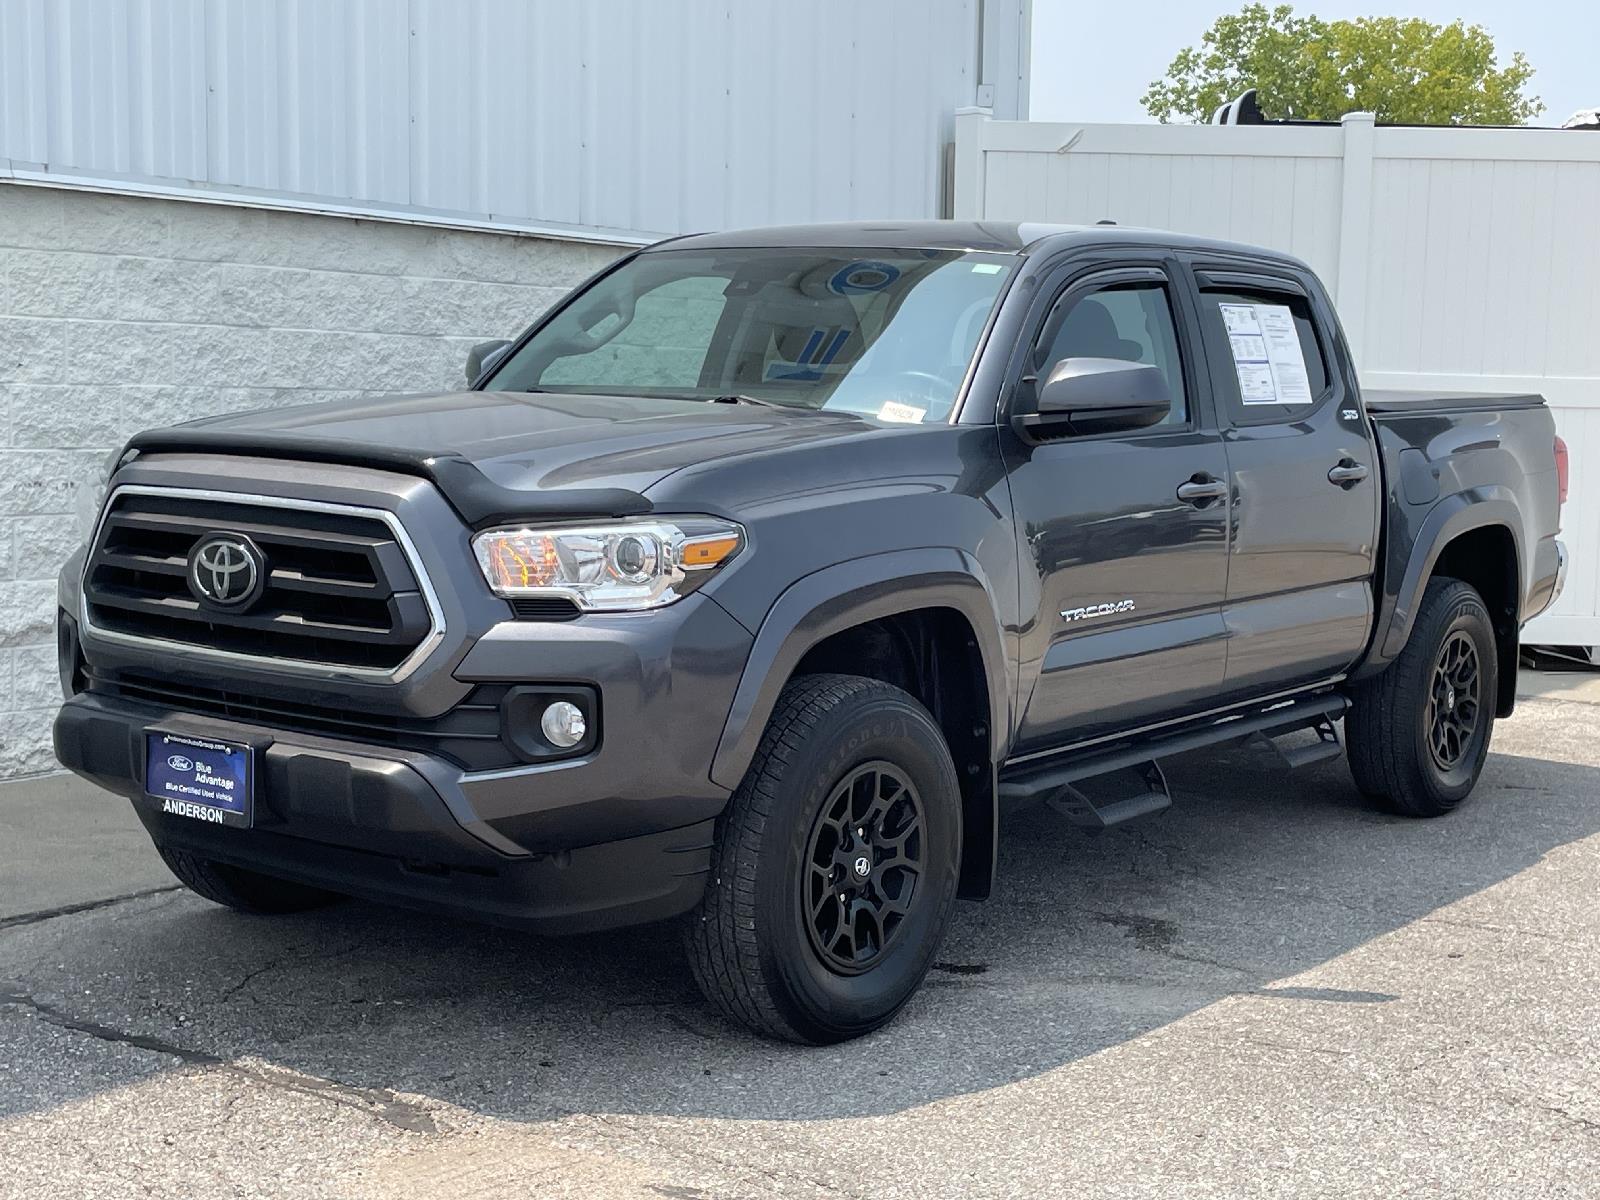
483 356
1096 395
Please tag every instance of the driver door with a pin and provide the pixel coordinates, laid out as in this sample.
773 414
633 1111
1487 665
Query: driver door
1124 574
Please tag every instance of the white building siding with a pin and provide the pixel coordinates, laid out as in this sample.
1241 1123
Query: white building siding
621 119
121 313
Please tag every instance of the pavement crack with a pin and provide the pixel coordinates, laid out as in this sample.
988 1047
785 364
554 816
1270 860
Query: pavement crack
1489 927
251 976
105 1033
67 910
1293 1049
613 1129
282 961
1581 1122
1203 961
382 1104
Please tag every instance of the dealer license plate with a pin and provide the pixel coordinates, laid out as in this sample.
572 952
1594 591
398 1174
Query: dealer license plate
200 778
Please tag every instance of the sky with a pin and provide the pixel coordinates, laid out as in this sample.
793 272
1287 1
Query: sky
1092 60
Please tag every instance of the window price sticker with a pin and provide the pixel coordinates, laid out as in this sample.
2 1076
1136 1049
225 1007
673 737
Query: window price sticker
1266 354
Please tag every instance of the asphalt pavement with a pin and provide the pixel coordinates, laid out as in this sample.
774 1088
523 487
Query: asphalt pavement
1271 990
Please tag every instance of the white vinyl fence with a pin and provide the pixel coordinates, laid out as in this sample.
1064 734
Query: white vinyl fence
1461 259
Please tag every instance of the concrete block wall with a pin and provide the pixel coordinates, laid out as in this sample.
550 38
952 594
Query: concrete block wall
120 313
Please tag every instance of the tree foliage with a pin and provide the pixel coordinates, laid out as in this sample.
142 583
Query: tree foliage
1403 69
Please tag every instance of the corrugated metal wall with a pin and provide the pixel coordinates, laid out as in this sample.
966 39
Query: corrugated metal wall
621 116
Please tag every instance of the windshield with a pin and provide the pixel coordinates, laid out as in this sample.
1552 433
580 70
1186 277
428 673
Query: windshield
886 334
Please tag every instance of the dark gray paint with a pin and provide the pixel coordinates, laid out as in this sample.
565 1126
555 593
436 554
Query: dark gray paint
1273 585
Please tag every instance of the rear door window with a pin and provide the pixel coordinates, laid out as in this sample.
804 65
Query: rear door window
1270 364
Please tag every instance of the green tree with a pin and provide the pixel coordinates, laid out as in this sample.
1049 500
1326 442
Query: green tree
1401 68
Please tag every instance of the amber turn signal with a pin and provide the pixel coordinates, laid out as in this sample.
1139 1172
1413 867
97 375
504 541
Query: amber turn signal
707 551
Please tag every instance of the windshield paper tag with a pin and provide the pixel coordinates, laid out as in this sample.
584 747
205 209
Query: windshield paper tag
1266 354
909 414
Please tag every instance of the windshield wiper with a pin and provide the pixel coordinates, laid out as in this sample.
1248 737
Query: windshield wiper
742 398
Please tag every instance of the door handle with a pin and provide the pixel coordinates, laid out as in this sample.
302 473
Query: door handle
1347 474
1201 489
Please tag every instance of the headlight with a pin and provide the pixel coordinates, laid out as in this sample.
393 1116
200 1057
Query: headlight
618 567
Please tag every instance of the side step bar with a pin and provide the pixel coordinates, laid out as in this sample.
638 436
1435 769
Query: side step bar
1083 809
1326 746
1052 781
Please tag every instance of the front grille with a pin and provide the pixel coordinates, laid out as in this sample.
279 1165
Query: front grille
339 589
468 735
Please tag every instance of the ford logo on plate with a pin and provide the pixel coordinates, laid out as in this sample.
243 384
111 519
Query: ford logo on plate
179 763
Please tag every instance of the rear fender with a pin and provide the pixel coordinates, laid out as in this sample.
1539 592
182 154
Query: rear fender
1412 560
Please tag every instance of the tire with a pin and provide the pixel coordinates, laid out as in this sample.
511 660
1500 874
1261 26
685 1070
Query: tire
772 944
242 890
1399 751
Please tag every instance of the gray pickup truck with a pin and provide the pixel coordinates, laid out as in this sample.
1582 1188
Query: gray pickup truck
757 579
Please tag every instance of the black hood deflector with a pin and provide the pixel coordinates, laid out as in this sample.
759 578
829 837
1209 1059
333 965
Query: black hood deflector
477 499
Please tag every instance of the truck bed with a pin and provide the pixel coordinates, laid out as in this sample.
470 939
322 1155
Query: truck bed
1379 402
1443 455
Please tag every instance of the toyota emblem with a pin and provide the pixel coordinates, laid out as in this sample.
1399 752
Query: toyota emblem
226 571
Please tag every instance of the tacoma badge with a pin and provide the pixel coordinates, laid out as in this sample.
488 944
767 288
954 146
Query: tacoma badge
1096 610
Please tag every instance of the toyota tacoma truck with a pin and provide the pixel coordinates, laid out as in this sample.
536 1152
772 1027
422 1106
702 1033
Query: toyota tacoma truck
752 584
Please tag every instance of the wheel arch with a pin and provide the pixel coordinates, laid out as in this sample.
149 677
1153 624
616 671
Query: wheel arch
1475 537
924 620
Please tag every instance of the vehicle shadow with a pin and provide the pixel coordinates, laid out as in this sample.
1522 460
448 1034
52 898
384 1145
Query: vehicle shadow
1256 874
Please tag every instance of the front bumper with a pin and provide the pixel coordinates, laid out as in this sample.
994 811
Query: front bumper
615 832
389 825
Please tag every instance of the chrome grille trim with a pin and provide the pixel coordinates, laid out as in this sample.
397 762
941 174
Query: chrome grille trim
429 643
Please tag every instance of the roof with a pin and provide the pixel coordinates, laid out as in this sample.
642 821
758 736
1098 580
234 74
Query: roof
1003 237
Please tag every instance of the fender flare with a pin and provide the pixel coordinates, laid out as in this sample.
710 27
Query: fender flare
851 593
1451 517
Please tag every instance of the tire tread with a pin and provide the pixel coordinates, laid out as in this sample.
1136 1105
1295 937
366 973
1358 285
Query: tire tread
241 890
1382 758
722 939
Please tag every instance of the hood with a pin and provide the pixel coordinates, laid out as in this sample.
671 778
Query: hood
580 454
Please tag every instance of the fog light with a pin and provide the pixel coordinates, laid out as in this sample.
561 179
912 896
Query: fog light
563 724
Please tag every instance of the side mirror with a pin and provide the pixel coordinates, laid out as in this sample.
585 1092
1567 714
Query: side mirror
1097 395
483 356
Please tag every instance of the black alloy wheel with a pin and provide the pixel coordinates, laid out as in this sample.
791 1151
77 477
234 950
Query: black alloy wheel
1453 702
864 867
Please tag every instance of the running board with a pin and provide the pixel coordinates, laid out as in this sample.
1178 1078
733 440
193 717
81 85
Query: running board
1082 809
1325 747
1044 780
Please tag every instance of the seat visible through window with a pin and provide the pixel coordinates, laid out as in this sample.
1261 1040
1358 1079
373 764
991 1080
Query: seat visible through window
1131 323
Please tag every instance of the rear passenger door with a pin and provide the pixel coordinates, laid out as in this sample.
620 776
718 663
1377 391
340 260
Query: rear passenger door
1305 513
1122 536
